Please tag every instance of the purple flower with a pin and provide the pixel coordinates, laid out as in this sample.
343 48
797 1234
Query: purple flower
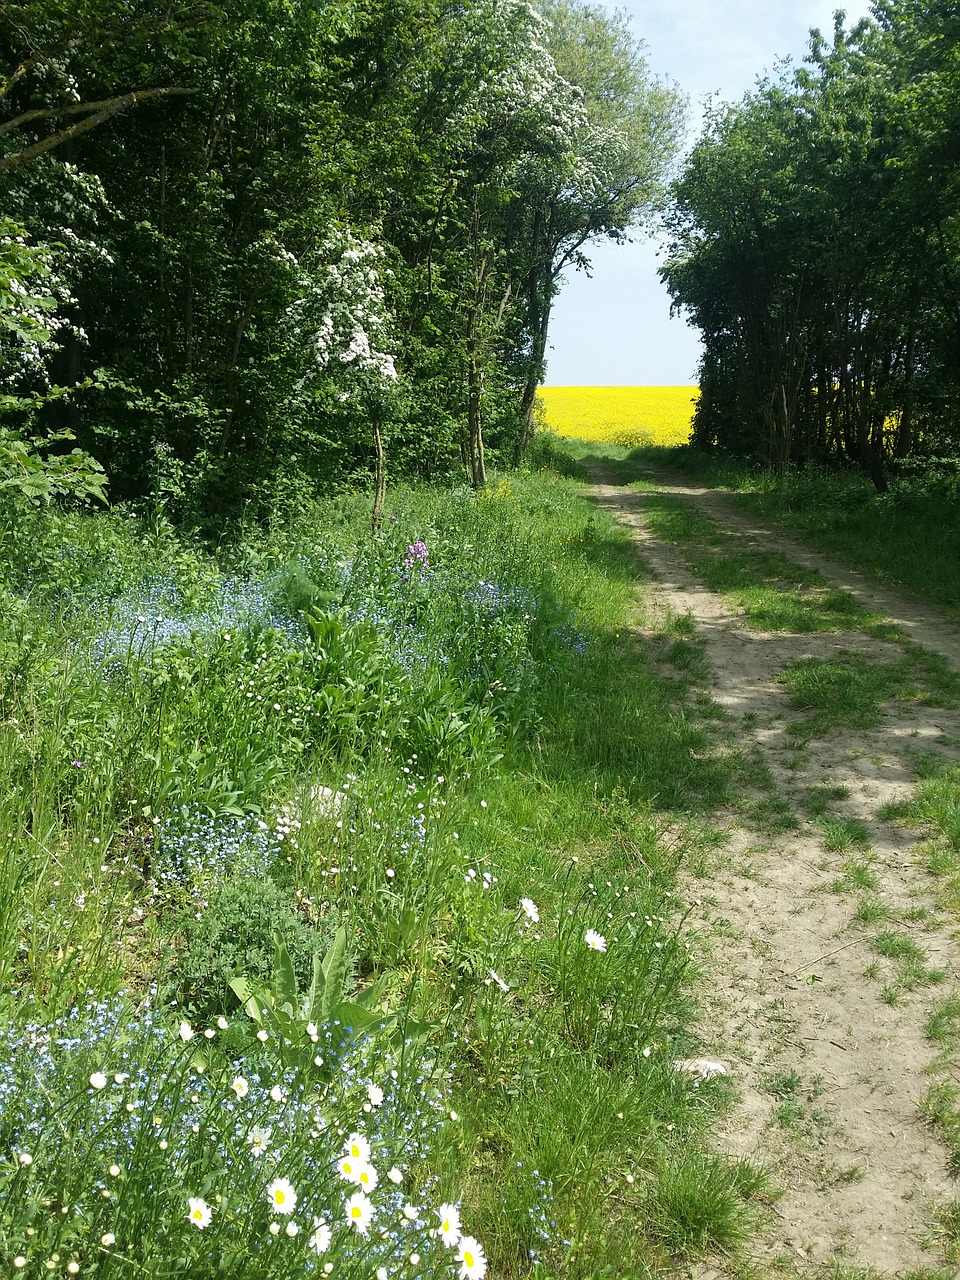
78 764
417 554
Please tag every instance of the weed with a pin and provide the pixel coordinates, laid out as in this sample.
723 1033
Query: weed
841 834
819 799
783 1084
872 911
947 1224
849 691
943 1023
896 946
837 1270
861 875
940 1106
694 1209
772 814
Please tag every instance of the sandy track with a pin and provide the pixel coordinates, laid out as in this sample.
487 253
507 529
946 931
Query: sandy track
860 1168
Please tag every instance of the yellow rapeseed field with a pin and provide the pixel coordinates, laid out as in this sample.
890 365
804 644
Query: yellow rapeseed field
621 415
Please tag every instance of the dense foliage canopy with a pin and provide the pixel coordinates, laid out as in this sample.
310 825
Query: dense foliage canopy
816 244
270 241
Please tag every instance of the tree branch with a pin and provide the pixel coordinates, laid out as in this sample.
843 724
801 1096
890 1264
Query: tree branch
101 111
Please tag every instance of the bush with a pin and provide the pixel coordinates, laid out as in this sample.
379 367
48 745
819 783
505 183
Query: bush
235 935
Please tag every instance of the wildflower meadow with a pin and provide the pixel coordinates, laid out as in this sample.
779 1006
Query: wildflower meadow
339 930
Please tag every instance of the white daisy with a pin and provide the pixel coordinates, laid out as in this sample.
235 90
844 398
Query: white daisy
282 1196
259 1140
357 1146
529 909
349 1168
359 1211
199 1212
473 1264
449 1229
319 1242
495 977
595 941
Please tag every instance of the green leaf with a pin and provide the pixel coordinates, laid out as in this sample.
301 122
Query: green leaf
334 974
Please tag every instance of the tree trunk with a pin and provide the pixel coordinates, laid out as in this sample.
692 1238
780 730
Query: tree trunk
868 452
903 444
529 397
477 468
380 475
538 307
231 376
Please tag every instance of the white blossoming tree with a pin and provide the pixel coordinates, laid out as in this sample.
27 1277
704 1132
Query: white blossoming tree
32 296
339 321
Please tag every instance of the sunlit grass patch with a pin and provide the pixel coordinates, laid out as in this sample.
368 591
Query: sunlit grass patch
841 834
849 691
621 415
774 592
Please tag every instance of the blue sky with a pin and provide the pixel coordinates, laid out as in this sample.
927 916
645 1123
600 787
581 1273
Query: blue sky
615 329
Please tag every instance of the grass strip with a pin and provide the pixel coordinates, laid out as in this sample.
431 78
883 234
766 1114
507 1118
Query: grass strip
850 691
772 591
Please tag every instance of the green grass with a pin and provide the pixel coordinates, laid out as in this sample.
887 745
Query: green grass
896 946
841 834
934 809
858 875
850 691
940 1107
908 970
943 1024
773 592
838 1270
429 752
818 799
872 911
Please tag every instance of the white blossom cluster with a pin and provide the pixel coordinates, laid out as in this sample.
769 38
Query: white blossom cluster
31 291
339 314
526 90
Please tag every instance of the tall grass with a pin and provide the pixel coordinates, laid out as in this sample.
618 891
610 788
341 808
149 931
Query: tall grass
336 927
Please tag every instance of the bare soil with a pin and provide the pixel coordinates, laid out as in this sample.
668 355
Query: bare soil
827 1071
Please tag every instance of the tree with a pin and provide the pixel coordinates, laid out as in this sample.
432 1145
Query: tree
608 173
47 49
814 243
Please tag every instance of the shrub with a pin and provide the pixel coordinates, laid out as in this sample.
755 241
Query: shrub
235 935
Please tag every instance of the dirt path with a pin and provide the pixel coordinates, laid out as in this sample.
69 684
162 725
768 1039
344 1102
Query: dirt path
828 1072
